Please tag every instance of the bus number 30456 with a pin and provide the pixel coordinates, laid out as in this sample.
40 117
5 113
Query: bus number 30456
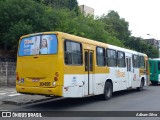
45 84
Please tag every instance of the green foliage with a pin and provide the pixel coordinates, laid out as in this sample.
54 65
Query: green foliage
88 27
61 4
115 25
20 17
140 45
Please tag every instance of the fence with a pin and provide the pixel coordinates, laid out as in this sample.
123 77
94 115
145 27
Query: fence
6 58
7 73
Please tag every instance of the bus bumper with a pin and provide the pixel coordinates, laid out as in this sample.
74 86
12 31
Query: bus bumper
56 91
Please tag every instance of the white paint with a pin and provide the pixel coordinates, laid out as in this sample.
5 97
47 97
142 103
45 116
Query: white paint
12 92
96 87
2 93
78 85
15 94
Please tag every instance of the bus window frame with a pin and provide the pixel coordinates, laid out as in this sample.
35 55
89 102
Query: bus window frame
81 47
41 39
104 49
121 58
111 58
143 61
133 61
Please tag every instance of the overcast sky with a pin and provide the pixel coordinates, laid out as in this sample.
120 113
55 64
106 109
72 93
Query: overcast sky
143 15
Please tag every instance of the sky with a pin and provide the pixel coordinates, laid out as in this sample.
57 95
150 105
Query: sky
143 15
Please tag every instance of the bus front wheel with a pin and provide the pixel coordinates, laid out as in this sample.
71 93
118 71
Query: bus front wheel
141 85
108 89
154 82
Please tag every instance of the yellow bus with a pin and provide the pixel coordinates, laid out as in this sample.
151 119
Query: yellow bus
60 64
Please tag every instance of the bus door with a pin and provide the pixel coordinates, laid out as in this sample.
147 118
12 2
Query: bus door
147 71
129 71
88 84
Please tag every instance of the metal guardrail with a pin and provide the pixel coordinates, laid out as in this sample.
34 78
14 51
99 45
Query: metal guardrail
7 59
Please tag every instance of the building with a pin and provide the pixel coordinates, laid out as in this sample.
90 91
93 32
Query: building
86 10
153 42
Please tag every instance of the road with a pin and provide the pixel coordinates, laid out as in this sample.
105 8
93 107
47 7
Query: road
131 100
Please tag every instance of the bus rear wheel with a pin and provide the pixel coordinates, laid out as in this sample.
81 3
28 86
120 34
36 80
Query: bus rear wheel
154 82
141 86
108 89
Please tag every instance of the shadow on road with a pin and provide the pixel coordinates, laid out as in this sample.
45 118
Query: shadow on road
75 102
154 85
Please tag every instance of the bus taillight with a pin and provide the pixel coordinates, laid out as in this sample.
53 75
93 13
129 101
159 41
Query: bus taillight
56 76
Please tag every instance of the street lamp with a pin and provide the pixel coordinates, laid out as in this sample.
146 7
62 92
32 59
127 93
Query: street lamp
152 37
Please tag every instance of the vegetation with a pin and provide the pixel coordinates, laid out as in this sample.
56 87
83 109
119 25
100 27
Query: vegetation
20 17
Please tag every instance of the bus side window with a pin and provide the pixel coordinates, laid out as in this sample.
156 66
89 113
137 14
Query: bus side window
100 56
68 59
111 58
142 62
135 59
73 53
121 59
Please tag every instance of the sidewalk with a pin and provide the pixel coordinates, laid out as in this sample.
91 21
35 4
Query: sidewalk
7 87
10 96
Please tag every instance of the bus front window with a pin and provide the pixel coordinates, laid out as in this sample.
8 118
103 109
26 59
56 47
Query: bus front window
40 44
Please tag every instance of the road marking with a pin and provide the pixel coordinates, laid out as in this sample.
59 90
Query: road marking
10 90
2 93
14 94
7 91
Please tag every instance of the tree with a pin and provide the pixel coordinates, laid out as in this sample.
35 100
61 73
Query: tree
115 25
140 45
61 4
88 27
20 17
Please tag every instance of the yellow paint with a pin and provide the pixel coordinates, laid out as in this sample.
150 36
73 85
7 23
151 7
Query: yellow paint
142 71
37 90
118 73
44 67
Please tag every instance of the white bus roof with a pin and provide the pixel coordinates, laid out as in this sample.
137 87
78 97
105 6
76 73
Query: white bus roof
125 50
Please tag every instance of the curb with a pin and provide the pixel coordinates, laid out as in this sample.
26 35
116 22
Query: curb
10 102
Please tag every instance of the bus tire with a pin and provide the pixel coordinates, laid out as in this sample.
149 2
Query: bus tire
154 82
108 89
141 86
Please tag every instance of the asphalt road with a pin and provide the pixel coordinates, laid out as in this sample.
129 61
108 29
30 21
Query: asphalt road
131 100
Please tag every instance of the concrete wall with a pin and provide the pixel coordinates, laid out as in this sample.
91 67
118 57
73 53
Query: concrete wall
7 73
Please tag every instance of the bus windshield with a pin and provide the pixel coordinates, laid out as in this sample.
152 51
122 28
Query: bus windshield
36 45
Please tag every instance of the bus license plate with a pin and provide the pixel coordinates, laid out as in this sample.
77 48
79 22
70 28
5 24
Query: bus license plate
44 84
